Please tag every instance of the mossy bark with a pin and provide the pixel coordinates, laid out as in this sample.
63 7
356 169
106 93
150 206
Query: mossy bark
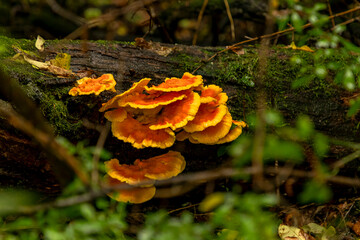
322 100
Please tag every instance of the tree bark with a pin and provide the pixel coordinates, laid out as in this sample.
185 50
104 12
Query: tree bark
23 163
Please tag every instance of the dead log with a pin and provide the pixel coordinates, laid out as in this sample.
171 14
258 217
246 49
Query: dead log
23 162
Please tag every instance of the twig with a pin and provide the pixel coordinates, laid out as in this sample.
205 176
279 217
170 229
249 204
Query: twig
348 144
203 176
65 13
183 208
201 14
232 25
109 17
260 128
99 147
330 12
340 163
346 22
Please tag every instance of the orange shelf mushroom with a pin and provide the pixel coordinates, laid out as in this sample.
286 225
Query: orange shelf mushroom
136 89
211 135
148 116
211 111
234 133
117 115
213 93
177 114
212 123
187 82
86 86
140 135
149 101
133 195
130 174
161 167
208 115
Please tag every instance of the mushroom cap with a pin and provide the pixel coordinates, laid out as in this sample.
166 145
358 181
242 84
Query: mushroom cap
212 134
182 136
133 195
208 115
207 100
130 174
233 133
140 135
162 167
188 81
86 86
211 92
136 88
177 114
116 115
144 116
146 101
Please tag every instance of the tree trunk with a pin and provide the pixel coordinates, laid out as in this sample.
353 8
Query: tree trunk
23 163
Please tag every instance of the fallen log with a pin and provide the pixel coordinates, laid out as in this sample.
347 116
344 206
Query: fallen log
24 163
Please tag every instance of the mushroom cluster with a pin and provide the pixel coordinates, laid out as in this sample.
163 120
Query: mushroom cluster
213 123
151 116
86 86
142 171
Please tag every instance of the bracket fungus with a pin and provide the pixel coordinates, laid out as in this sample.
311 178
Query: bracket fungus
211 135
86 86
188 81
213 122
161 167
149 116
177 114
132 195
140 135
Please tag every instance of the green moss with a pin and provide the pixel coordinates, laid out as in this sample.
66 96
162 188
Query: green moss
186 63
57 114
6 44
23 71
112 44
238 69
32 81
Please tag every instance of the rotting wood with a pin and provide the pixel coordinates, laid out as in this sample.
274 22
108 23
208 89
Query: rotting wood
129 63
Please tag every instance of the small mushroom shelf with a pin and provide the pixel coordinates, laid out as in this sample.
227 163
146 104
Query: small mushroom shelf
161 167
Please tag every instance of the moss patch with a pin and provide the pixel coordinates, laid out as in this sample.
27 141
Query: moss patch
6 44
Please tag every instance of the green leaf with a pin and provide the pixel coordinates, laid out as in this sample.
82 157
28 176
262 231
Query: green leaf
20 224
321 144
349 46
212 201
273 117
297 21
321 72
282 22
11 199
87 211
315 192
53 234
276 149
305 127
349 79
339 77
303 81
354 107
91 13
